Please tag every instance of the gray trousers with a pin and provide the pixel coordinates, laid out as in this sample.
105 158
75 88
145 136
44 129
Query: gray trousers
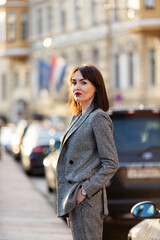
87 219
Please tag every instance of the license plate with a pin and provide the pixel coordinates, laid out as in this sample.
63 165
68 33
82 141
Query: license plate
143 173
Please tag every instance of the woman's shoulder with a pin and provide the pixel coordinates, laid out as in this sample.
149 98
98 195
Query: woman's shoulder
99 113
101 118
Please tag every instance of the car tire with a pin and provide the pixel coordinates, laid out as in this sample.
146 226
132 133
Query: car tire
28 172
50 189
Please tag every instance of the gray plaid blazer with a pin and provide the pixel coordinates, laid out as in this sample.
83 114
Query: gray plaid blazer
87 158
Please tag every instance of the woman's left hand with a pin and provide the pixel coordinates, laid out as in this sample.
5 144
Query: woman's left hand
79 197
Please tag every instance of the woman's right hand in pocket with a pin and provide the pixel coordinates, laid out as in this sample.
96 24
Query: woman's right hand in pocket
68 222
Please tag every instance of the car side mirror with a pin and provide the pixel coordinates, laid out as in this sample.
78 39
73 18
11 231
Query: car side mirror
145 209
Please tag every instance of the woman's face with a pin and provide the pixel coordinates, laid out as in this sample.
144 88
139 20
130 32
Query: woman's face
83 90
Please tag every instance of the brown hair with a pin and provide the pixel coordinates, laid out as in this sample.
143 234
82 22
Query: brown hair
91 73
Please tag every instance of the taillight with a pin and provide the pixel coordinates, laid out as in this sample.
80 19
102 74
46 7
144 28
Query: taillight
38 150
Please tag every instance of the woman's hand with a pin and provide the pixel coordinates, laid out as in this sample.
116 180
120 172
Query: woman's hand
68 222
79 197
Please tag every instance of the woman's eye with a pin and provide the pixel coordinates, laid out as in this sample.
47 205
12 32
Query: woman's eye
83 83
74 83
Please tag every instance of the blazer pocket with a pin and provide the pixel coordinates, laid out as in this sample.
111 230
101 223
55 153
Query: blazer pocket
94 199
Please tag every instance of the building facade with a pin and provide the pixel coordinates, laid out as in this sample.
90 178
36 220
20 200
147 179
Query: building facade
14 64
121 37
135 53
71 29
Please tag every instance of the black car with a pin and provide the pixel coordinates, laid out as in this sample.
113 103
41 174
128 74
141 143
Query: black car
137 138
36 146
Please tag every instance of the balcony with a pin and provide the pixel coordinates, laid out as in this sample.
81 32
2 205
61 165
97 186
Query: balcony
147 18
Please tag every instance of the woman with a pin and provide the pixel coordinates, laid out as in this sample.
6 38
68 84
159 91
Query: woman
88 157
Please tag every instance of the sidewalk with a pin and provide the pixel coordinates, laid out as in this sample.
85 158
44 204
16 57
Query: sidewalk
24 213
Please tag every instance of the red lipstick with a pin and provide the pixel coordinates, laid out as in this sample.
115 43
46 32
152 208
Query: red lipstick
77 94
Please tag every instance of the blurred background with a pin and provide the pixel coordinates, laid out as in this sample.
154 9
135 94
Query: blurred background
41 42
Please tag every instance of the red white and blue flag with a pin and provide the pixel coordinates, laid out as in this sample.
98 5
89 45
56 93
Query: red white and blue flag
58 69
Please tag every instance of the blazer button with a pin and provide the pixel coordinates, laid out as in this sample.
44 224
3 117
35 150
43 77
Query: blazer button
71 162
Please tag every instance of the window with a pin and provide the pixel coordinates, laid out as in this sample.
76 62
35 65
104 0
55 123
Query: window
78 6
94 11
149 3
4 87
95 56
48 18
16 79
117 71
142 130
2 26
116 11
24 25
153 66
63 16
79 58
131 70
39 21
11 25
27 75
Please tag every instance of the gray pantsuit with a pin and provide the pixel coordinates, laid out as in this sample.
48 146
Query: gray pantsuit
87 219
87 158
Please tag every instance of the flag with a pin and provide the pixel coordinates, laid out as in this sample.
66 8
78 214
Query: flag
58 69
44 74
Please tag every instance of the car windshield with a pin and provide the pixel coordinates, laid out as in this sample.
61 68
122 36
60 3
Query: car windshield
139 133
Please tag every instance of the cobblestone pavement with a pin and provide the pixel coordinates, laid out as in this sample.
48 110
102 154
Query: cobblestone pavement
24 213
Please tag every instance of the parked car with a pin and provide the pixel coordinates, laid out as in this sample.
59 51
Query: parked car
50 163
137 138
6 134
35 147
149 228
17 138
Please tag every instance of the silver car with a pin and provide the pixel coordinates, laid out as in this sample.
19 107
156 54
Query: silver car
149 228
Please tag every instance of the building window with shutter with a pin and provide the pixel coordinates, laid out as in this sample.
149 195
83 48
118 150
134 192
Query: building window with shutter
24 20
11 21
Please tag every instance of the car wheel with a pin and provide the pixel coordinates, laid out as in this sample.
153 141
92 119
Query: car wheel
50 189
28 172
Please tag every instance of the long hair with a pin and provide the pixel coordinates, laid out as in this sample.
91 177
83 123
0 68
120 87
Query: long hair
91 73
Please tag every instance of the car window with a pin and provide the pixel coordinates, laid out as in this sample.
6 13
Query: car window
133 133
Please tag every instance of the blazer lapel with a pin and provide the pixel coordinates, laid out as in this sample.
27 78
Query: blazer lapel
71 125
76 124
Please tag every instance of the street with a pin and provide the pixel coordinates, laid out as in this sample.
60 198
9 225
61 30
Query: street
113 230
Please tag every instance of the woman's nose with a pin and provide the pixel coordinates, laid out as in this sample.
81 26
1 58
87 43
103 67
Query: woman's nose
77 86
